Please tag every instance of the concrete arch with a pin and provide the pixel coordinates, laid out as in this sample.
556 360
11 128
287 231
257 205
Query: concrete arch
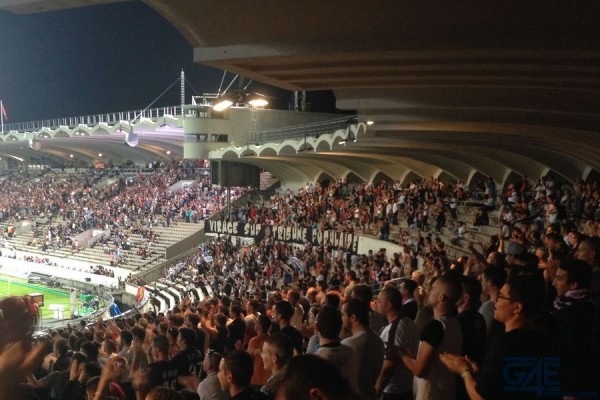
287 147
357 130
60 132
352 178
324 178
305 146
446 177
44 135
101 131
63 134
340 135
229 153
511 177
381 176
323 146
593 175
248 151
557 177
267 151
410 176
475 178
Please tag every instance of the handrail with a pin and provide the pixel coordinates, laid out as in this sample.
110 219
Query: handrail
306 130
106 118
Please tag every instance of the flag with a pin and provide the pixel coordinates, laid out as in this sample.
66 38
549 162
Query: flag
4 112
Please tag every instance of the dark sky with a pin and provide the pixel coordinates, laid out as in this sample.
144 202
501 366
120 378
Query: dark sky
102 59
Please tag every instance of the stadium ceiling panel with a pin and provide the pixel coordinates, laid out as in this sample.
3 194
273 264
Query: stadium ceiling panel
495 87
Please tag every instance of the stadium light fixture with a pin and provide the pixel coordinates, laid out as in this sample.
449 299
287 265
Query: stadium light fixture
256 100
223 103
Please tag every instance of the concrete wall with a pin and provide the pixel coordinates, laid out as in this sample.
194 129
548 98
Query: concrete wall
11 266
184 245
238 125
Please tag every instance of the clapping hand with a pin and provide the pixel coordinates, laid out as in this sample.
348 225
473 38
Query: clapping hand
17 360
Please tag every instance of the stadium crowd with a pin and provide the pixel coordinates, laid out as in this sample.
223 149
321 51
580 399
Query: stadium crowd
130 207
313 321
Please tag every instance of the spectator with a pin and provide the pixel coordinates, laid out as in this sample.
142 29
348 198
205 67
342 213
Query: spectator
161 372
235 373
442 334
61 351
309 376
395 380
255 349
277 351
365 294
328 328
210 387
236 329
188 362
492 280
137 355
409 304
573 322
367 345
283 314
517 303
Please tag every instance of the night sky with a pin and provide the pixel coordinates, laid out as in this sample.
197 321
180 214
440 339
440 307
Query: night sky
100 59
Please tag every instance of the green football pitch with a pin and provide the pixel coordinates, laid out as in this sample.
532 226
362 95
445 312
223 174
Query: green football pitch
11 286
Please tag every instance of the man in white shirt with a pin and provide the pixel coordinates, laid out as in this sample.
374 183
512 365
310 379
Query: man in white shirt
328 328
366 344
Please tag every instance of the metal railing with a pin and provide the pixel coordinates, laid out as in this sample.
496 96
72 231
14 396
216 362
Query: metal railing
306 130
113 118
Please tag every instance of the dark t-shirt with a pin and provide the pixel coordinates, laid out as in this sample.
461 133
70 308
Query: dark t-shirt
433 333
410 309
187 362
62 363
218 343
296 337
249 394
162 373
497 376
236 330
55 382
200 338
473 331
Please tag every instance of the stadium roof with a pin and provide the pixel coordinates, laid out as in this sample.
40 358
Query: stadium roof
452 88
